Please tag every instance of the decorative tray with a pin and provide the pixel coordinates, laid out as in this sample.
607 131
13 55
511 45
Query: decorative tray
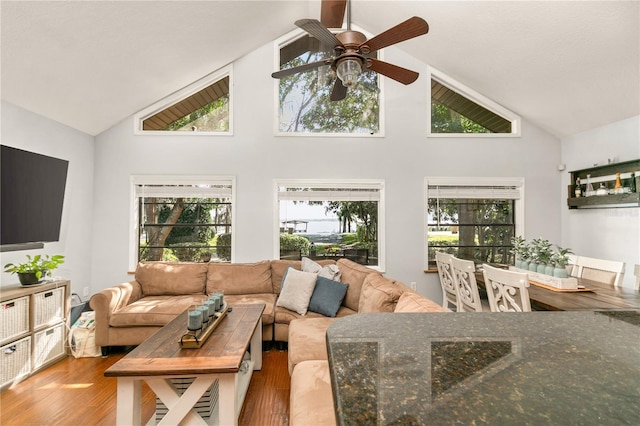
195 339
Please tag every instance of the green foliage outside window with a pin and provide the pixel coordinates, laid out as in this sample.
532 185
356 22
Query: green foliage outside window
445 120
213 117
305 105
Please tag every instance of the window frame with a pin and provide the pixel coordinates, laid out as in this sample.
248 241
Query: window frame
136 180
289 38
469 93
178 96
517 182
378 184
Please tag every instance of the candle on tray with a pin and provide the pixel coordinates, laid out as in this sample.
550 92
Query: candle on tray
194 319
204 311
211 307
216 300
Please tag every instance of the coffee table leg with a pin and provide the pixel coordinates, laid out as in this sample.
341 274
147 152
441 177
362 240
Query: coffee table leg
129 401
228 399
256 347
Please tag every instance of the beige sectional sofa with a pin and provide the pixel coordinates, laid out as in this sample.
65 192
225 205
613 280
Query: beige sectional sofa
128 313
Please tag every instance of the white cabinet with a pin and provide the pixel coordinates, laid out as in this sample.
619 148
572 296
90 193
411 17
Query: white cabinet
33 328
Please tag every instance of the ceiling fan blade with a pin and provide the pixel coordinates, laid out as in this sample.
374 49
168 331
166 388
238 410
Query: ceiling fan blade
395 72
302 68
319 31
339 91
412 27
332 13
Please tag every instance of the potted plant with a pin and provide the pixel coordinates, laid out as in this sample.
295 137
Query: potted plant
520 250
35 268
560 260
543 251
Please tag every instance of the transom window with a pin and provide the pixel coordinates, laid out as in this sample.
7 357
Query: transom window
459 110
303 98
473 219
330 220
202 107
182 219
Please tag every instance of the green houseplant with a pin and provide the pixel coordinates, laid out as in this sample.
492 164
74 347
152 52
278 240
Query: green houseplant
35 268
560 260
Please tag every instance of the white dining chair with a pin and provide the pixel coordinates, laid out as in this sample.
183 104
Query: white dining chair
636 272
464 277
604 271
449 292
508 291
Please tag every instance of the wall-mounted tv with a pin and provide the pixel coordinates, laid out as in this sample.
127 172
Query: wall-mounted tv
31 197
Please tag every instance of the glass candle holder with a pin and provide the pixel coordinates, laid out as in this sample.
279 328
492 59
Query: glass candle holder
216 301
220 294
211 307
194 319
204 312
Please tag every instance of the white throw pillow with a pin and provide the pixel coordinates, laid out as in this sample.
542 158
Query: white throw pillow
328 271
297 288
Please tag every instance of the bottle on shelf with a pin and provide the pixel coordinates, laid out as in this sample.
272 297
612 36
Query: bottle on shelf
618 188
632 185
589 191
578 190
602 189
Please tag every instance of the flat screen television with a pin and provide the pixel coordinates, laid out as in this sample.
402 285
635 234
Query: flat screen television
31 197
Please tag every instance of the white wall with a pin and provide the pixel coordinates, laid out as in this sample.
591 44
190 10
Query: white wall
608 233
26 130
255 156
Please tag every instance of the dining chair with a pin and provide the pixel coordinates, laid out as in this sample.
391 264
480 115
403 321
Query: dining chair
464 277
571 264
636 272
604 271
508 291
449 292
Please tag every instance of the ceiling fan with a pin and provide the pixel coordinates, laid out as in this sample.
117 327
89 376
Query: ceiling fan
351 49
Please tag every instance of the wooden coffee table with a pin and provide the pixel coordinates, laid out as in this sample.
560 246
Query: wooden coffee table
160 358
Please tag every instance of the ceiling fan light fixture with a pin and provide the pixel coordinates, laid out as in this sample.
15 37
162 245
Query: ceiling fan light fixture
348 71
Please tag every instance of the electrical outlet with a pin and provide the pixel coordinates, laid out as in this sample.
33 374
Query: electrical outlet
85 292
413 285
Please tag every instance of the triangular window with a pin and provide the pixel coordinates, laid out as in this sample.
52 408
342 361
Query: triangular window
202 107
459 110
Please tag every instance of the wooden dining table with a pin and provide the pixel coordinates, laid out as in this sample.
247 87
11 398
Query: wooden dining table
593 296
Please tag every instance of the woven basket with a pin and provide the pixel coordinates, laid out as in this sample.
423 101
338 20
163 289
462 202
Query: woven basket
14 317
48 345
48 306
15 360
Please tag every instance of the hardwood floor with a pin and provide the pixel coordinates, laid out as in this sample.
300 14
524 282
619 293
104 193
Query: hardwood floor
75 392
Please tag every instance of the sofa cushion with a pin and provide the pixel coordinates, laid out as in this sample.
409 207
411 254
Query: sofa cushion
307 340
154 311
171 278
331 271
269 300
327 296
239 278
278 269
353 274
379 294
296 291
413 302
311 400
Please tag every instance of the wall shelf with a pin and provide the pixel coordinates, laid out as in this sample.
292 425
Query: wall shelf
606 174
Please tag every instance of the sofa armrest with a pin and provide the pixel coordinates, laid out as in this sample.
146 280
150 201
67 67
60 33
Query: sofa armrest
109 301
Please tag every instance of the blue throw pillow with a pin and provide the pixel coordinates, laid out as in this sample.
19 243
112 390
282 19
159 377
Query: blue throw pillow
327 296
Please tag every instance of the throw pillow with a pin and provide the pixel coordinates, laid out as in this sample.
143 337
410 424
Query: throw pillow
296 291
378 294
327 296
328 271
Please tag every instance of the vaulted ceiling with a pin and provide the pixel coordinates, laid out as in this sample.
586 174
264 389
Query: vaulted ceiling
566 66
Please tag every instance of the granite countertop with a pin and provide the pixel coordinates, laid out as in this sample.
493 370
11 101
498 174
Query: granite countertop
486 368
